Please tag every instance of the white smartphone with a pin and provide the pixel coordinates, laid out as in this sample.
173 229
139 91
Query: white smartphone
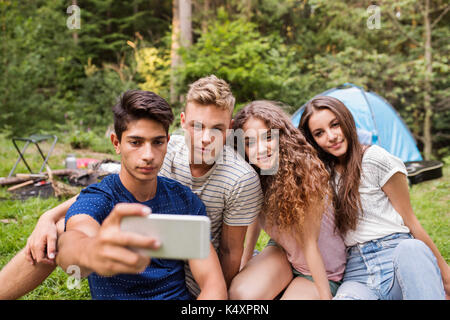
181 236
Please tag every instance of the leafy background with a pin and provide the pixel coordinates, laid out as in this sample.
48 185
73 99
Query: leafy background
65 81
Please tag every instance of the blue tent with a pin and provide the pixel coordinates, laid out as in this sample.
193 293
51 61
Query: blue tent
376 121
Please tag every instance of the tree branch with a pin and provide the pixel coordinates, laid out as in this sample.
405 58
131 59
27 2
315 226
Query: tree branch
402 30
443 105
442 135
440 16
419 138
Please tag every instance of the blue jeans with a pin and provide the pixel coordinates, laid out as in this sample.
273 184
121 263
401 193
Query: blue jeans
395 267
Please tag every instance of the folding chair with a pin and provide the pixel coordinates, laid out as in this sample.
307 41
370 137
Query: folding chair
35 138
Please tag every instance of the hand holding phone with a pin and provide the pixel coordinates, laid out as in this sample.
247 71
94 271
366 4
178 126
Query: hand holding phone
105 249
180 236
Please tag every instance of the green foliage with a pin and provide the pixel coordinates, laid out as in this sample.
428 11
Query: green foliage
97 94
89 140
153 65
49 81
256 66
107 25
81 140
38 66
284 50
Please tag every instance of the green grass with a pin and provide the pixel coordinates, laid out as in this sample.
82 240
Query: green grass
431 204
23 215
430 200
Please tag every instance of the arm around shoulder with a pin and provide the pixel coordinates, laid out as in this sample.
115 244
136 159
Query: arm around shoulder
41 244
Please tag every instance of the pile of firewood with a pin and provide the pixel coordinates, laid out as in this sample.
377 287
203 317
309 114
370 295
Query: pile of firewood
75 177
21 180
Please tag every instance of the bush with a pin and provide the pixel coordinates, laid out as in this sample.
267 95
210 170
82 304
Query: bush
90 140
81 140
256 66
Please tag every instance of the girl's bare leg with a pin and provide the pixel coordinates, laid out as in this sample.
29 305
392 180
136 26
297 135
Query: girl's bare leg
263 277
301 289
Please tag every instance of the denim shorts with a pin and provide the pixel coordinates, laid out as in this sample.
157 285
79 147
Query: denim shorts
371 262
394 267
334 285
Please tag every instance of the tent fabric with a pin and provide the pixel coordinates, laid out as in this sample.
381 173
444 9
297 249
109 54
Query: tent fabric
376 120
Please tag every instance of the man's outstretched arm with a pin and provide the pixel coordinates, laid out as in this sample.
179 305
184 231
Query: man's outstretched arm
104 249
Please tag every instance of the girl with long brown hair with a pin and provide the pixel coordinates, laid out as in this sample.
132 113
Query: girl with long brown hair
305 256
389 255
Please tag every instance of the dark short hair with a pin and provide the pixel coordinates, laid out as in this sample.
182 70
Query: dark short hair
138 104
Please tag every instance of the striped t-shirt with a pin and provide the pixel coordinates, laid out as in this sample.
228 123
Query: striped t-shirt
230 190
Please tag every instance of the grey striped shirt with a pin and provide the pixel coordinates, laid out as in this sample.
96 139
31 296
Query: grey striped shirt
230 190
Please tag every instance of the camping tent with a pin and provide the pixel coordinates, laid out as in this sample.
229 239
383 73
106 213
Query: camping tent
376 121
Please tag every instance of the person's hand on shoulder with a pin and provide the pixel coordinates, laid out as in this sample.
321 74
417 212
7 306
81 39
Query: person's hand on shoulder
41 244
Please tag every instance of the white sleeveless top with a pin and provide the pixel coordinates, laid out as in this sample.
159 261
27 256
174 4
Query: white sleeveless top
378 217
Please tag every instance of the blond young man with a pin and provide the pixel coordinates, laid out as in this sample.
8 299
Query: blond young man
224 181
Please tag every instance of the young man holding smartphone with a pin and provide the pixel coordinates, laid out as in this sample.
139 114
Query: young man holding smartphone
225 182
93 240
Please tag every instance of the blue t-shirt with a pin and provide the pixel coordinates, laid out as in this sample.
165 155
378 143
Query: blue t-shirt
163 279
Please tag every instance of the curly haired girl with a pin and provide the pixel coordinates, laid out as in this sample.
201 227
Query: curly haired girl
305 256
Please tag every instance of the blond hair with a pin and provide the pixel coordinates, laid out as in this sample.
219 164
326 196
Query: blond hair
211 90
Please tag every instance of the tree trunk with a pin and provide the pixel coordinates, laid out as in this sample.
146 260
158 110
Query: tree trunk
74 33
135 12
175 59
428 143
181 36
206 8
248 9
185 23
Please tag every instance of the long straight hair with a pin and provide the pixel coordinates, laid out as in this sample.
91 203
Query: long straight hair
346 198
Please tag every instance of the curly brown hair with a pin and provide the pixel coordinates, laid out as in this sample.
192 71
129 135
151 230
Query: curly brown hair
301 181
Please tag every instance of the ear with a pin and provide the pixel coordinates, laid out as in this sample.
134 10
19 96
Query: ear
116 143
183 120
230 128
168 137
